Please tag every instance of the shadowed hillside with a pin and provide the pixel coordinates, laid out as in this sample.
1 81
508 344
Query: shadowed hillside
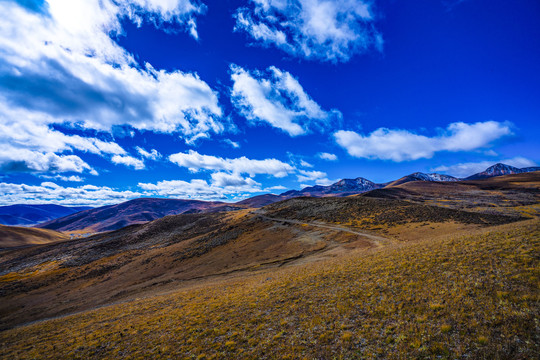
136 211
23 214
473 297
517 195
173 250
12 236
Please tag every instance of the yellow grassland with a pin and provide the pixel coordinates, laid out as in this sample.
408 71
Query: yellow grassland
463 296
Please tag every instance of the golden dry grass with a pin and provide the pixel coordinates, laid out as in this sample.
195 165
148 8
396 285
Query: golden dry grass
15 236
459 297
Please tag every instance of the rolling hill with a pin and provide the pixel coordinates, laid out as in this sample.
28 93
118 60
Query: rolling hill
517 194
138 211
13 236
22 214
143 258
371 275
112 217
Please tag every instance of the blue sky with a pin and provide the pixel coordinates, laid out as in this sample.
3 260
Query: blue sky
105 101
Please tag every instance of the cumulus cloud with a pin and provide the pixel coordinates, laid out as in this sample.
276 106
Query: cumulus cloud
152 155
242 165
221 187
25 143
277 98
232 180
327 156
60 65
401 145
470 168
326 30
49 192
305 164
129 161
14 159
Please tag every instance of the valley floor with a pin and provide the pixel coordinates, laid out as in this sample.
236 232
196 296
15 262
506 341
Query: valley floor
469 295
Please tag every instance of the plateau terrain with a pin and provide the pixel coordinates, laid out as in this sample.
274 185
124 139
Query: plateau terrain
422 269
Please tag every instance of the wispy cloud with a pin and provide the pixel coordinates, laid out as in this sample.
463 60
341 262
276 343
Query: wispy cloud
72 178
401 145
234 144
181 13
277 98
129 161
152 155
314 175
327 156
312 29
304 163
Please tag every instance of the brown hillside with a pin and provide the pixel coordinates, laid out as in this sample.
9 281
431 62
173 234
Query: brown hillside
138 211
177 250
459 297
13 236
516 195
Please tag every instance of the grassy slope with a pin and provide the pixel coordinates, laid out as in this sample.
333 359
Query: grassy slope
165 254
517 195
464 297
13 236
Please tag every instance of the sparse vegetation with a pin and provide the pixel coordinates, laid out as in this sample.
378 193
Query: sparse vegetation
334 278
463 297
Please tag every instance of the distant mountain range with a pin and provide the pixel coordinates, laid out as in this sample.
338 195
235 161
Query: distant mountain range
418 176
359 185
341 188
34 214
137 211
500 169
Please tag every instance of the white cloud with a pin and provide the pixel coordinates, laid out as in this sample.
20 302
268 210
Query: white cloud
327 156
468 169
242 165
234 144
400 145
127 160
277 187
19 130
311 175
180 12
232 180
321 182
48 192
14 159
305 164
152 155
277 98
326 30
222 187
26 142
60 65
72 178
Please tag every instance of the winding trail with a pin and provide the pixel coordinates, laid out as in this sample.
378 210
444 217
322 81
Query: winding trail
378 240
